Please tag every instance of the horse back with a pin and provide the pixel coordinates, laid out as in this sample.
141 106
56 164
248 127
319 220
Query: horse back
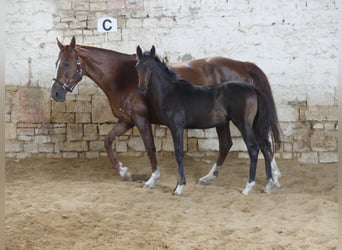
212 70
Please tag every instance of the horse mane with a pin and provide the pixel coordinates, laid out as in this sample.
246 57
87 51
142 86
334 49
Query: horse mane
98 49
165 69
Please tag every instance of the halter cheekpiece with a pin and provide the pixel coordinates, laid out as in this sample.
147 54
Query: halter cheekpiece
78 73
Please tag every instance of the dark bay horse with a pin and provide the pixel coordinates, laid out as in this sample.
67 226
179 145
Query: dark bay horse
180 105
115 74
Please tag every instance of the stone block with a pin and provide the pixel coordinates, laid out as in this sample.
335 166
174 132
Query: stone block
40 139
196 133
10 131
92 155
78 106
13 147
31 148
74 146
101 112
323 140
238 145
121 146
58 107
97 146
160 132
136 144
167 144
118 4
57 131
31 105
98 6
69 155
208 145
322 113
90 132
74 132
308 157
328 157
46 148
87 89
63 117
104 129
25 138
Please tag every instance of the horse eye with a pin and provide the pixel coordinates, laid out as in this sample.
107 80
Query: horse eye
67 64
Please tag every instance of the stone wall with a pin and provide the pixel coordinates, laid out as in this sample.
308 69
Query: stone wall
295 43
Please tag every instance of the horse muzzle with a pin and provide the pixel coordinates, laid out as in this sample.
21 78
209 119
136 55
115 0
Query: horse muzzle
142 89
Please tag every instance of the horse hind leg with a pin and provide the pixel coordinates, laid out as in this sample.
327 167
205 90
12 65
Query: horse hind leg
225 143
253 151
271 180
275 172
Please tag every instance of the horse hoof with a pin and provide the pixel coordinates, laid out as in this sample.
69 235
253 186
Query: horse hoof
248 188
276 184
178 190
268 187
206 180
127 177
149 186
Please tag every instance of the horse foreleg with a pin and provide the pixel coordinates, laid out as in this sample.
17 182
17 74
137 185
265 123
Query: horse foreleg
177 136
145 130
225 143
118 129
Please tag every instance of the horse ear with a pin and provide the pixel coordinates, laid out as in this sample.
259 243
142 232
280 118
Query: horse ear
153 51
73 42
60 45
139 52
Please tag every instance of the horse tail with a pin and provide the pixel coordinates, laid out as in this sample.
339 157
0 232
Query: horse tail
262 84
266 121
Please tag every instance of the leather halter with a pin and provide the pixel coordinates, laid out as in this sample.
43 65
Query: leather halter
78 73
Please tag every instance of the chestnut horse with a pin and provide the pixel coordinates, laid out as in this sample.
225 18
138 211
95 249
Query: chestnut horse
180 105
116 75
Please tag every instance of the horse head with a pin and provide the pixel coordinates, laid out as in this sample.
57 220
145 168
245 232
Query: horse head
69 71
144 68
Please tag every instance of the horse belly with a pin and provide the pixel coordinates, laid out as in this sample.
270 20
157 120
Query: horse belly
207 119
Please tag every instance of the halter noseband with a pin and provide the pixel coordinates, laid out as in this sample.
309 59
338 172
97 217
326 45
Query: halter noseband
78 73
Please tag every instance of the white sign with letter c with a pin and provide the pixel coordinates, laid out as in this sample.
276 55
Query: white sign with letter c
107 24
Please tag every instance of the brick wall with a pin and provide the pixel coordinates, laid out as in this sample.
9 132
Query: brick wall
294 42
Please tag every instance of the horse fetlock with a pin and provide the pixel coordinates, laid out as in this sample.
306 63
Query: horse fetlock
210 177
124 173
268 186
178 189
206 180
248 188
151 183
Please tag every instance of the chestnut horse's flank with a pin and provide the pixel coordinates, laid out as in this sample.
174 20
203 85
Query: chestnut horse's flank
116 75
180 105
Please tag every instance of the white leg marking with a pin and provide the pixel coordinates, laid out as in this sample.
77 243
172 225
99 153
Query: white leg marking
275 173
123 172
179 190
248 188
268 186
151 183
210 177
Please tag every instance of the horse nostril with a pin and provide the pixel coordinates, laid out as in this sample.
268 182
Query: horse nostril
57 94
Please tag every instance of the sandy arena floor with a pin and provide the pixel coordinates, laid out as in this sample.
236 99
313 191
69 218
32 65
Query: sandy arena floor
83 204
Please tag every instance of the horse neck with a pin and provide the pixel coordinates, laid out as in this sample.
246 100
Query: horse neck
161 86
100 65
